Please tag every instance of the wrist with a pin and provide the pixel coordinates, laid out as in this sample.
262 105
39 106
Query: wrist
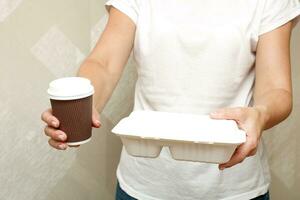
264 115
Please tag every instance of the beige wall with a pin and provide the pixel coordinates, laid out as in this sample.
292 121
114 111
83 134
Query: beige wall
41 40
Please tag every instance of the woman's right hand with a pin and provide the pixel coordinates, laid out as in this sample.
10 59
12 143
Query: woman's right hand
115 44
57 137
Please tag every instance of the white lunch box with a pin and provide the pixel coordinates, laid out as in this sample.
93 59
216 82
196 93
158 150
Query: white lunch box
190 137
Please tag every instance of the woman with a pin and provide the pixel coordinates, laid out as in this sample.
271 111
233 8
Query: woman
229 59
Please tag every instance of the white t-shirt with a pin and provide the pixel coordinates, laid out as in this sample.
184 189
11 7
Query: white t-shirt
195 56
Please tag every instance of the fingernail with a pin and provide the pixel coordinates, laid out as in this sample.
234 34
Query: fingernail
54 123
222 168
62 146
62 137
98 123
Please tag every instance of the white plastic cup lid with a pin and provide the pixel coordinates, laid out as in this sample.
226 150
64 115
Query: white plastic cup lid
69 88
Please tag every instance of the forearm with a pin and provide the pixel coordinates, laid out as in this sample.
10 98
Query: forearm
274 105
103 81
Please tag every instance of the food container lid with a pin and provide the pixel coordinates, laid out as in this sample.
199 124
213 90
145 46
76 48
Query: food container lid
184 127
69 88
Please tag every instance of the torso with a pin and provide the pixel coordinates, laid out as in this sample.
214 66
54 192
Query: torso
194 56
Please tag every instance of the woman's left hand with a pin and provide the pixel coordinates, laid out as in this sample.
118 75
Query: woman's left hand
249 119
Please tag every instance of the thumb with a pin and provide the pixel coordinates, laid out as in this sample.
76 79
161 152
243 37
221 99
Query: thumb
96 119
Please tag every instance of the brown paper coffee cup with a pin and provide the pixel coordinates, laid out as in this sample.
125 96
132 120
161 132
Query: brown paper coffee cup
71 101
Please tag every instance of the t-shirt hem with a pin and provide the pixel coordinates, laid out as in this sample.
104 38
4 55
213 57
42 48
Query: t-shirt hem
130 191
244 196
251 194
286 17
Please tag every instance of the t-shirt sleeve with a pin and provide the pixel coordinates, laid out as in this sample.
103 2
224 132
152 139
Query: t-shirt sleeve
278 12
128 7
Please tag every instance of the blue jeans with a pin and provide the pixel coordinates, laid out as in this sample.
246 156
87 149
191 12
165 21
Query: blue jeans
122 195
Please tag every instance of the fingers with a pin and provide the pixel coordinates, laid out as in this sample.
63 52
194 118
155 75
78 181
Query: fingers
253 152
244 150
55 134
49 118
57 145
96 119
238 156
228 113
246 120
57 137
